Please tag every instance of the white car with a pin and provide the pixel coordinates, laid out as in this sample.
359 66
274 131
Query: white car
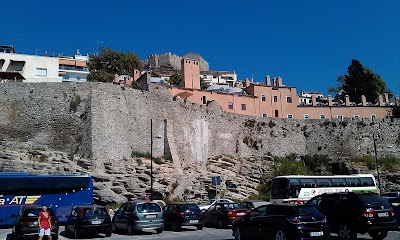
219 200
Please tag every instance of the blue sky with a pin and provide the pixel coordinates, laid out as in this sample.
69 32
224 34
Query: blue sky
309 43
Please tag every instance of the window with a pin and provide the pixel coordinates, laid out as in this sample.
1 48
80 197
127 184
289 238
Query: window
356 117
244 107
230 105
322 116
306 116
290 116
264 114
339 117
78 78
204 99
41 71
288 99
373 117
263 98
275 98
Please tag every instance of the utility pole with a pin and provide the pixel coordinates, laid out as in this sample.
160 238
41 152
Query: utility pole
151 159
376 164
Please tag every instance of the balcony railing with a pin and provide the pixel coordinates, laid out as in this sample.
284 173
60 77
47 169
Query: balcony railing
82 69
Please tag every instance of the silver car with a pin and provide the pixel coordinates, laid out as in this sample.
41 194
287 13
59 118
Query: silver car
135 216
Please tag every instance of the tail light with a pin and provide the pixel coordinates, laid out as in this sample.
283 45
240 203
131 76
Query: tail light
231 213
325 220
294 220
369 213
135 218
81 213
181 214
392 213
27 222
108 213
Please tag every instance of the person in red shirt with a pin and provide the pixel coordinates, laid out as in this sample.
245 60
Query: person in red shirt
44 223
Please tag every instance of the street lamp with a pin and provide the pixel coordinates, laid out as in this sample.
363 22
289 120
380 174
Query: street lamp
151 159
376 164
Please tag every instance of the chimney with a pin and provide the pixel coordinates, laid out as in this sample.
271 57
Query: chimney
268 80
329 100
387 98
116 79
347 100
279 81
363 100
380 99
247 83
314 100
136 74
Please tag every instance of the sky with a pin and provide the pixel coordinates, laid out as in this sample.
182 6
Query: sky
309 43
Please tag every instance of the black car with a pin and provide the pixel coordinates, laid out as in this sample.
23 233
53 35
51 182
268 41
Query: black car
281 222
224 214
88 220
349 213
27 223
177 215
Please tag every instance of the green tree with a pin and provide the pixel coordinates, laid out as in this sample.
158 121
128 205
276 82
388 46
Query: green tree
110 62
203 84
175 80
360 81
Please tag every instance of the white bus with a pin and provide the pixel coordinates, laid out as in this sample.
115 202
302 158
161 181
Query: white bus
298 189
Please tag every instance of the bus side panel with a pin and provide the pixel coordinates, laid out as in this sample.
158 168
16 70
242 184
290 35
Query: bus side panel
9 215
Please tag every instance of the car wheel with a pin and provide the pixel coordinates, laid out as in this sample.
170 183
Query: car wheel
55 237
108 233
175 226
221 223
280 235
160 230
113 227
200 227
378 235
238 233
76 233
346 233
130 229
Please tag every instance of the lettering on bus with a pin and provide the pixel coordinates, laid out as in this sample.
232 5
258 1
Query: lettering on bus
18 200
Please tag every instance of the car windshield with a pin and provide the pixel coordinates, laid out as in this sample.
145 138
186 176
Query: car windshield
148 207
233 206
374 199
189 207
34 212
95 211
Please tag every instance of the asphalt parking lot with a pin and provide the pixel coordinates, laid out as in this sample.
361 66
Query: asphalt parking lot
186 233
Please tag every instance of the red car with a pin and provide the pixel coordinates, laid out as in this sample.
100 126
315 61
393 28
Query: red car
224 214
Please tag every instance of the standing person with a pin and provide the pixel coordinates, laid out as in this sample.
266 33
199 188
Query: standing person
44 223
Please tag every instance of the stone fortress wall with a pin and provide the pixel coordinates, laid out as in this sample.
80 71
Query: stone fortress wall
155 61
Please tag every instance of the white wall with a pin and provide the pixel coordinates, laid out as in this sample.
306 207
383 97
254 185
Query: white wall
33 62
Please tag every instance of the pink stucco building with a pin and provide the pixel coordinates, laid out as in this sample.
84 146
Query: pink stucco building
273 99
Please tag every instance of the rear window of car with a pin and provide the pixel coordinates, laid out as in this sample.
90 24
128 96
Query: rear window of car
372 199
148 207
306 210
95 211
233 205
34 212
189 207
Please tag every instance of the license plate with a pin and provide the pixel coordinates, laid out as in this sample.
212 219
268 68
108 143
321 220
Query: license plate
193 221
150 216
96 222
241 214
316 234
383 214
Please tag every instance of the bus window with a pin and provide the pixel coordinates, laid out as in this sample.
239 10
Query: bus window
367 181
353 182
13 186
308 182
324 182
338 182
279 187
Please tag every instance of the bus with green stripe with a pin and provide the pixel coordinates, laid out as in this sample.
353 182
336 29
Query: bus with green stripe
298 188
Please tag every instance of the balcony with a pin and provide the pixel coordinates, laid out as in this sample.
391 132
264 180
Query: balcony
73 68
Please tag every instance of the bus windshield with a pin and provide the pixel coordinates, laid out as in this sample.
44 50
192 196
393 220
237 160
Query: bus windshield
302 188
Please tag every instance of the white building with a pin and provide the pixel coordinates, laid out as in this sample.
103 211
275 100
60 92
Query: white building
74 69
32 68
305 97
219 77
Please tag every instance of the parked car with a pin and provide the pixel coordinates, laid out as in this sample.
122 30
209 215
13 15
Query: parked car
224 214
282 221
219 200
391 194
27 223
177 215
349 213
251 204
395 204
88 220
135 216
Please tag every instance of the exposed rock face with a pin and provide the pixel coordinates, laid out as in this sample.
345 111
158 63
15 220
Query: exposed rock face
108 128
